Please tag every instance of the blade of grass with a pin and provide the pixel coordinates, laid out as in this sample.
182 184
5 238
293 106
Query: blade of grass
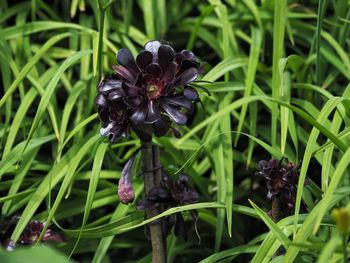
19 177
96 169
285 94
73 165
279 22
219 169
322 6
252 66
326 110
50 89
15 153
119 213
52 41
204 13
246 249
148 16
240 102
328 195
271 225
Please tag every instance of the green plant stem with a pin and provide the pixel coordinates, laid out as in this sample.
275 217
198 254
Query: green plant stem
345 251
320 14
100 39
152 176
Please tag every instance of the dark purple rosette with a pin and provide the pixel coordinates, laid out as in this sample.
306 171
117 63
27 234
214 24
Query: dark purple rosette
32 233
281 181
148 93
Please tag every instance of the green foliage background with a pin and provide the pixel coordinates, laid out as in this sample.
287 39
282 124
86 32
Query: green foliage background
280 71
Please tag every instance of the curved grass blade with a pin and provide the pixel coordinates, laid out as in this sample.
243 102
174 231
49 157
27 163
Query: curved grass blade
271 225
73 165
50 89
279 22
252 66
14 154
240 102
245 249
96 169
52 41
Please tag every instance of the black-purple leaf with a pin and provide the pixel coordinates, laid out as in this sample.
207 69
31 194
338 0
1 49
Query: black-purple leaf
116 94
107 85
186 77
191 94
100 100
144 59
166 55
153 113
154 70
125 58
175 114
139 114
179 101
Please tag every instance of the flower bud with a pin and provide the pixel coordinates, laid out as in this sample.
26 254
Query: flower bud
342 218
125 190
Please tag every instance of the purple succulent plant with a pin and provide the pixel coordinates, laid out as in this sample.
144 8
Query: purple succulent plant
33 230
281 180
30 234
172 194
147 93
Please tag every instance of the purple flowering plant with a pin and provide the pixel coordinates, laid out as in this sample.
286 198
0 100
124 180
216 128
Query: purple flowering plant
281 180
150 95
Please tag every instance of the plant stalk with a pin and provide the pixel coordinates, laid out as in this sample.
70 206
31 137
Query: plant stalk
276 216
345 251
152 178
275 210
100 39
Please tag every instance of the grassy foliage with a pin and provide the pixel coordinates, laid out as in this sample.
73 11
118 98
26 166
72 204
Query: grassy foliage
280 73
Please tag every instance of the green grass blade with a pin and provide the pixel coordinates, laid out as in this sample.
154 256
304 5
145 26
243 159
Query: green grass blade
73 165
148 16
328 195
252 66
327 109
246 249
279 22
31 63
271 225
51 89
96 169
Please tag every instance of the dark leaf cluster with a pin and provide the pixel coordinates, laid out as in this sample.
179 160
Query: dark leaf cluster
281 180
172 194
33 230
30 235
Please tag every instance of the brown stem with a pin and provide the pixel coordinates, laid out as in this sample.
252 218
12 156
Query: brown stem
275 210
152 178
158 178
276 216
156 164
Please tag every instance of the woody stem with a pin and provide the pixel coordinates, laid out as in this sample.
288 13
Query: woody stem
152 178
276 209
